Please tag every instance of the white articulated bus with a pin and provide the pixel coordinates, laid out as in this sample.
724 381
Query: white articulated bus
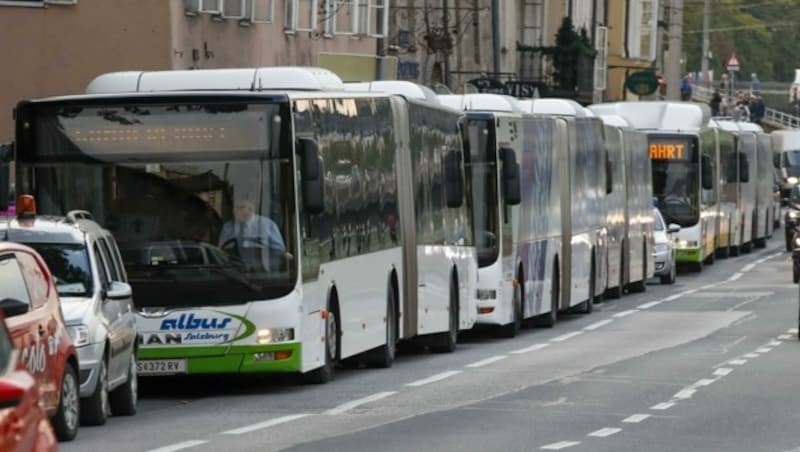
266 216
629 210
765 196
515 186
739 195
584 181
683 153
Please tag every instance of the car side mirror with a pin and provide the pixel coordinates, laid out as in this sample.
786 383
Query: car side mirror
119 291
12 307
744 168
6 154
454 179
512 192
311 176
11 392
673 229
706 172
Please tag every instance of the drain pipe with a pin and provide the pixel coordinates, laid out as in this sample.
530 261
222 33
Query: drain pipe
496 37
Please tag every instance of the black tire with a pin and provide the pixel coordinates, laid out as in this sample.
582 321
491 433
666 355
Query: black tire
641 286
710 259
96 408
795 275
670 278
616 292
695 267
736 251
326 373
549 320
125 398
788 242
761 243
383 356
510 330
447 342
67 418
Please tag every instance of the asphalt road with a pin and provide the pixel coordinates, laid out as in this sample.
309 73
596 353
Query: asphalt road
705 364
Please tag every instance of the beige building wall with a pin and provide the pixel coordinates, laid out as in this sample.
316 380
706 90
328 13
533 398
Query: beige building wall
619 64
59 49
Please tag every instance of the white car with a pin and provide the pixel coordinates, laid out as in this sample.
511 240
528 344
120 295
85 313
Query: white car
664 254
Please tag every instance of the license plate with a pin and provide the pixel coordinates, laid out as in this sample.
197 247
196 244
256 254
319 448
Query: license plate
161 366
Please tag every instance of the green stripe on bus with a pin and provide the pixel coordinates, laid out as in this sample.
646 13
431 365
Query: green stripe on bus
229 359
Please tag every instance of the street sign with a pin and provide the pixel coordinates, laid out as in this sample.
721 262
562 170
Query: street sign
642 83
733 63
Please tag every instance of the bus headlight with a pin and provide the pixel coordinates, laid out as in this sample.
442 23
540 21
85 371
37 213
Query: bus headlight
793 214
273 335
792 180
79 334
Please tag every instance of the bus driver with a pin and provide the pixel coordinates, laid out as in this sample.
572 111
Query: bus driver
250 233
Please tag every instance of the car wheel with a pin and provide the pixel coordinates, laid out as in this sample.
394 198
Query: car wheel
96 408
67 417
124 398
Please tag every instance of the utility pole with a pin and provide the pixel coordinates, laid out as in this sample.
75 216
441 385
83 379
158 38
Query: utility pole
496 38
706 40
675 40
447 35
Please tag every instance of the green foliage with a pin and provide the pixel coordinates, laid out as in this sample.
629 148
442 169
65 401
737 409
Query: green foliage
571 48
764 36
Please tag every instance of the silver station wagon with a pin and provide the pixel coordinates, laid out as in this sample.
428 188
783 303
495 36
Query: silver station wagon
97 304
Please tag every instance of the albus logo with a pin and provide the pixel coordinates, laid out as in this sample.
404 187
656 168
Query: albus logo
190 322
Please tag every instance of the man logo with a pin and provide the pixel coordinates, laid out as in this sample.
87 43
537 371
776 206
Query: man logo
160 339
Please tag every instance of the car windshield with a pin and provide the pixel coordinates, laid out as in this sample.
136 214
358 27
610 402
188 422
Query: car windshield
659 222
69 264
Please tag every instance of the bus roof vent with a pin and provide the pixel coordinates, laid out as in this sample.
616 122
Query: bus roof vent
409 90
615 121
75 215
245 79
482 102
555 107
658 115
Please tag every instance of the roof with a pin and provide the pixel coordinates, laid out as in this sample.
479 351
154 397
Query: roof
615 121
481 102
658 115
409 90
242 79
555 107
47 229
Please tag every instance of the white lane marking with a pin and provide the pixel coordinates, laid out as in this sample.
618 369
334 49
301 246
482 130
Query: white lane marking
709 286
561 445
685 393
434 378
749 267
635 419
532 348
764 350
179 446
673 297
751 355
487 361
735 276
722 371
738 362
597 325
355 403
265 424
774 343
604 432
704 382
663 406
688 292
785 337
649 305
625 313
792 331
564 337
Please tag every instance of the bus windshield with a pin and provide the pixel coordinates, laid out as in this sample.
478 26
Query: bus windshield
675 179
200 197
479 143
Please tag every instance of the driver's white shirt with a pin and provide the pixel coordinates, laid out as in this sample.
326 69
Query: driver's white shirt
258 231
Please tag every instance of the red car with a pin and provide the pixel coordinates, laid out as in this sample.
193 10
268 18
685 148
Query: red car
23 423
29 300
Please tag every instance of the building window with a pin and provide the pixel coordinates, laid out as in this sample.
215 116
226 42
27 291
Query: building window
210 6
357 17
262 11
642 29
301 15
344 17
582 15
532 18
378 17
234 9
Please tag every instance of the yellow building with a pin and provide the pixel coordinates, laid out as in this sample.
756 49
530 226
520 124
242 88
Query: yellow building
632 43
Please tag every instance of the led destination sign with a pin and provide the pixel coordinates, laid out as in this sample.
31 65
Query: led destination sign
670 148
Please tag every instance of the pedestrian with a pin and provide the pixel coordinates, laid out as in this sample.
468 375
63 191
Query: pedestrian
686 89
716 101
757 109
755 84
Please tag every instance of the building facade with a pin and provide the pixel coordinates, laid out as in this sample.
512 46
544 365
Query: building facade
58 46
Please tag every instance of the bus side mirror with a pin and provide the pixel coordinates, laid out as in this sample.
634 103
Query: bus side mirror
6 153
512 193
706 173
453 179
311 176
744 168
609 174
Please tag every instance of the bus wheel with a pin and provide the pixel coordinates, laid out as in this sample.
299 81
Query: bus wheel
325 373
588 306
695 267
383 356
446 342
641 286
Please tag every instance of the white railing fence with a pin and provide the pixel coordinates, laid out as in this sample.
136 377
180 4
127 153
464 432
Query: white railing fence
774 118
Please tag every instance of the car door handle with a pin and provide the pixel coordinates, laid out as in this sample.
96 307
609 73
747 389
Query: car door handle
41 330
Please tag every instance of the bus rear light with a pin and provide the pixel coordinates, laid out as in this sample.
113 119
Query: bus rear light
485 310
285 354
